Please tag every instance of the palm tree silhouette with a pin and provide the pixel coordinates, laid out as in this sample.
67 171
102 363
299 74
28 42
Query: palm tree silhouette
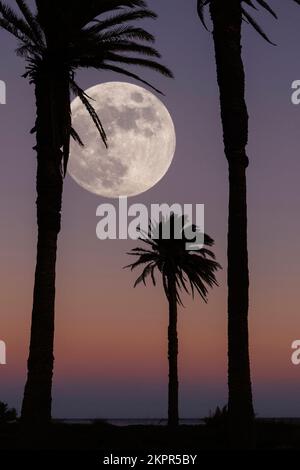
227 20
180 268
60 38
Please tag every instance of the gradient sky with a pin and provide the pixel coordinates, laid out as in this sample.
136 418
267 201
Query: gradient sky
110 347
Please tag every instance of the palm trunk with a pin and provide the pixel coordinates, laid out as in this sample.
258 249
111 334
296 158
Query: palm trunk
227 21
173 417
52 95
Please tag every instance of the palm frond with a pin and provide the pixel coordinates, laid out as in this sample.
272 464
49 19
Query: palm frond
73 34
76 137
201 4
95 49
119 19
250 3
200 8
12 29
125 32
143 258
146 272
83 16
28 50
256 26
112 57
120 70
264 4
31 20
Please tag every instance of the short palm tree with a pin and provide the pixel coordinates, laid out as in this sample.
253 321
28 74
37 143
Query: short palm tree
61 37
227 20
179 268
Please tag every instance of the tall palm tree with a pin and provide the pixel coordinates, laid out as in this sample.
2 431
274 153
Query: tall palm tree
227 20
180 268
61 37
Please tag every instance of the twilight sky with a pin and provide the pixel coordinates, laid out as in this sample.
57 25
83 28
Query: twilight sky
111 349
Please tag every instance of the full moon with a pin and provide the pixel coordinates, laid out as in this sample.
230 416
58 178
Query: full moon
141 141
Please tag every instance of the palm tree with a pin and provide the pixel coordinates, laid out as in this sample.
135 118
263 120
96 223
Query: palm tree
227 20
61 37
180 268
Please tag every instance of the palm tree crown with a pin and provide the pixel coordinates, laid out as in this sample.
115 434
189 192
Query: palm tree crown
67 35
191 269
255 4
